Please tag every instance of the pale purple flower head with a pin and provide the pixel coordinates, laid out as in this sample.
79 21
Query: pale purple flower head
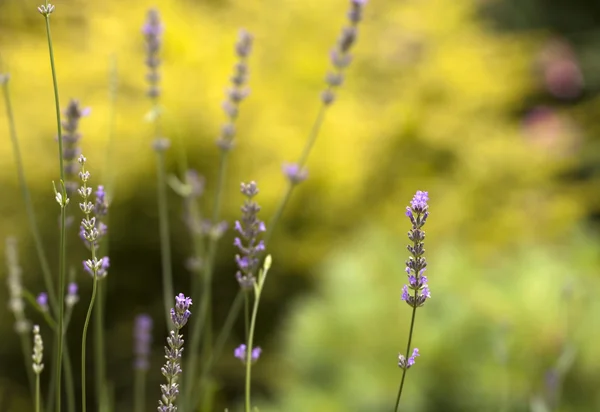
72 298
407 363
181 313
248 243
42 301
241 351
102 269
152 30
294 173
142 334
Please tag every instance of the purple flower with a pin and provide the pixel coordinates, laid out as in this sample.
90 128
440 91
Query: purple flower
294 173
42 301
172 368
72 298
406 364
71 137
241 351
181 313
340 56
411 360
249 229
152 30
101 264
238 90
142 334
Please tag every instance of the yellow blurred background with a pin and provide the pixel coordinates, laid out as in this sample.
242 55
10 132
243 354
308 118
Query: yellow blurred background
438 98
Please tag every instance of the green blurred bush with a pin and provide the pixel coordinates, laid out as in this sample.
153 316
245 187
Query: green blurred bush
488 337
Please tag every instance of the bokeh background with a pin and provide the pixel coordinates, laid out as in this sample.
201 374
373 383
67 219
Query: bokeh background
490 105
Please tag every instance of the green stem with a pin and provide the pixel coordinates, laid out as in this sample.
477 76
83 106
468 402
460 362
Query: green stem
33 226
37 393
312 138
222 337
204 320
63 253
165 241
99 360
140 391
246 314
410 333
69 382
84 338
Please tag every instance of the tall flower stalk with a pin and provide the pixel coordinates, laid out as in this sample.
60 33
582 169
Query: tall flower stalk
173 351
235 95
33 226
153 29
38 366
92 229
62 199
417 291
296 172
247 353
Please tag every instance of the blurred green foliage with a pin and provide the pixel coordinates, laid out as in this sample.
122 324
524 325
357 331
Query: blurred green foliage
436 100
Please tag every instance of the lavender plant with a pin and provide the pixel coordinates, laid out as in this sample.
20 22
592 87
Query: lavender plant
173 351
417 212
38 366
57 310
153 29
92 230
142 335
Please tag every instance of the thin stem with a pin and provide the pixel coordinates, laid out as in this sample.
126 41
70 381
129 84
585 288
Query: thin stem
312 138
205 319
84 336
249 354
140 391
33 226
37 393
99 359
63 253
246 314
310 142
165 241
410 333
222 337
69 382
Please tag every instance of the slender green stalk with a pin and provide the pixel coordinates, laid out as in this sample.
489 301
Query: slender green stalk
246 314
235 309
109 178
84 338
204 320
69 381
38 401
257 292
222 337
140 391
99 358
165 240
63 253
410 333
33 226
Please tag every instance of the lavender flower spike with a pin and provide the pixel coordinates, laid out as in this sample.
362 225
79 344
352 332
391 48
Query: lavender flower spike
249 228
42 301
152 30
72 298
172 368
15 287
240 353
238 90
38 351
416 292
340 56
142 334
71 137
